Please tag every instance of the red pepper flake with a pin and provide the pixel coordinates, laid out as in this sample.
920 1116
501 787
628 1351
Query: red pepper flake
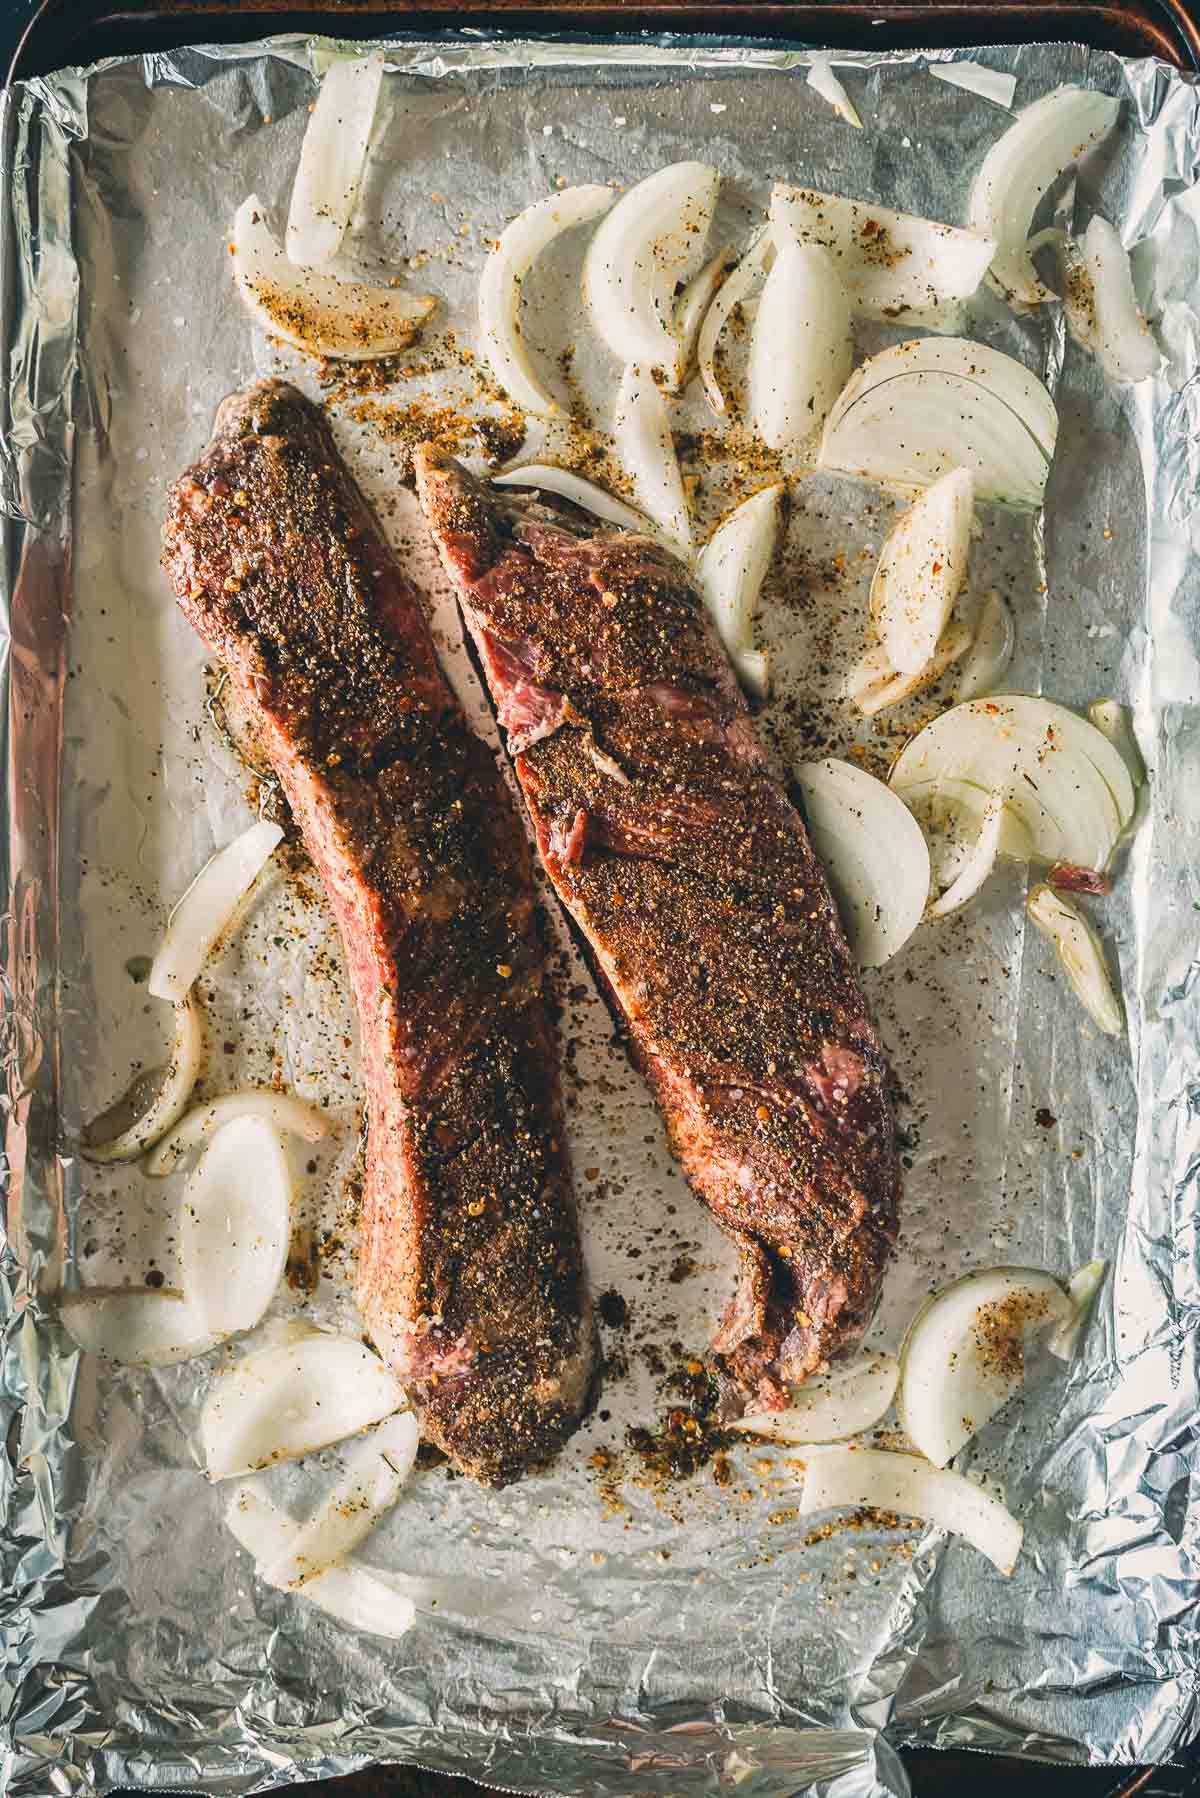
1067 877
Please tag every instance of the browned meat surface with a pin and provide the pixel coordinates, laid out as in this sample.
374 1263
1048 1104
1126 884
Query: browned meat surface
470 1277
671 841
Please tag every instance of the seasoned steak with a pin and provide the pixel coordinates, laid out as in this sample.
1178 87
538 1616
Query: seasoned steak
470 1277
670 839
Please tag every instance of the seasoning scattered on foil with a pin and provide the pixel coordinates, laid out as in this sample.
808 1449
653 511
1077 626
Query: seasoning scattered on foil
643 1614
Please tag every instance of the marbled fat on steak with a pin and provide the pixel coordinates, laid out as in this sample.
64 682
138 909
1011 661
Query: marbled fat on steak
470 1276
671 841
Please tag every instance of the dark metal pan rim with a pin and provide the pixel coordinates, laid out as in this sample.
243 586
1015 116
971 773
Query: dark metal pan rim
41 35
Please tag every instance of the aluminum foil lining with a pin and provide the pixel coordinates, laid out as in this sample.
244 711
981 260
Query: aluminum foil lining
583 1631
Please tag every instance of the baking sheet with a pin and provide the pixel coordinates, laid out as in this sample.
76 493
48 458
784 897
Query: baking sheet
584 1630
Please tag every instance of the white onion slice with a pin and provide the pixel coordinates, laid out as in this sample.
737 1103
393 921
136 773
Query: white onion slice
519 246
734 291
965 1352
1112 719
288 1400
992 645
872 849
206 908
1075 283
801 346
952 812
730 571
1061 779
644 443
977 78
851 1397
332 158
979 862
874 685
1112 324
283 1110
1079 950
1082 1288
236 1222
1043 141
837 1479
354 1595
312 309
652 240
695 301
921 570
579 491
141 1326
889 262
823 81
375 1470
754 671
920 408
963 1356
161 1097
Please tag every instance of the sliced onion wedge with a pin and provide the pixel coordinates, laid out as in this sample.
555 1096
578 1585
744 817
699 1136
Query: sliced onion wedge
823 81
992 645
354 1595
281 1110
332 158
695 301
979 862
921 570
1075 283
850 1398
754 671
155 1101
734 291
312 309
236 1223
873 851
964 1354
288 1400
838 1479
1082 1288
1082 956
652 240
1111 718
1106 316
643 437
976 78
375 1471
935 403
1061 778
958 819
730 571
889 262
579 491
801 346
1043 141
519 246
874 685
206 908
141 1326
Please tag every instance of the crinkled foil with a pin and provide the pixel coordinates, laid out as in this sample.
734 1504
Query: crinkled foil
584 1631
